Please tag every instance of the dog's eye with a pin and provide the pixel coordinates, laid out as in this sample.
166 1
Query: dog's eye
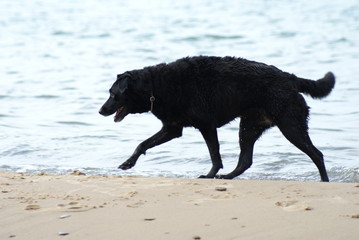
112 95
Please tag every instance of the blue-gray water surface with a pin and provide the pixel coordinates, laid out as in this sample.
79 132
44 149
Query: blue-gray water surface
59 58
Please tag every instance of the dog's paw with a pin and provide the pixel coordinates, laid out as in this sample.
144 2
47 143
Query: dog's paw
224 176
206 176
126 165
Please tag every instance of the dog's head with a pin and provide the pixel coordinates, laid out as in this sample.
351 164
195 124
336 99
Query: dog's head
118 100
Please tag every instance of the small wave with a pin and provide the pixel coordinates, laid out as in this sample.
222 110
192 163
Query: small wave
48 56
333 60
46 96
145 50
223 37
339 40
329 129
12 72
86 137
102 35
337 148
352 89
210 37
4 115
321 114
287 34
18 151
355 113
74 123
62 33
337 174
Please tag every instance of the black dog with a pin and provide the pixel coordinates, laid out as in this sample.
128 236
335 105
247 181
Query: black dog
208 92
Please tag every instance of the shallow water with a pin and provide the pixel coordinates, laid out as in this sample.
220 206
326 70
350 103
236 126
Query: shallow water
58 60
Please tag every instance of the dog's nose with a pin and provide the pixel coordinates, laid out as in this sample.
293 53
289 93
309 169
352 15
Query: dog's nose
104 111
101 111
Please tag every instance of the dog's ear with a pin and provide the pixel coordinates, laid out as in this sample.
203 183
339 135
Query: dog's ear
123 85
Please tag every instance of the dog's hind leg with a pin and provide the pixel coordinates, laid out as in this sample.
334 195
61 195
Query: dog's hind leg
211 138
251 128
297 134
167 133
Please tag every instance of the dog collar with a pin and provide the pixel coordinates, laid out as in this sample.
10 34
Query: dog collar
152 100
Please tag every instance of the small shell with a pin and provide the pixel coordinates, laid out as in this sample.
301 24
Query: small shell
65 216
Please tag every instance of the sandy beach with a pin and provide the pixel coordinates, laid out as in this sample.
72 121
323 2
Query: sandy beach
110 207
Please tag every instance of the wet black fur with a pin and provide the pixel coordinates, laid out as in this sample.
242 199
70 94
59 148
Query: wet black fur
208 92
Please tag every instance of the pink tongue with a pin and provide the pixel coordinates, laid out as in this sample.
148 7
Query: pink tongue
118 112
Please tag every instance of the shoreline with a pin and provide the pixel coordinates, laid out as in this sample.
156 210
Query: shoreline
46 206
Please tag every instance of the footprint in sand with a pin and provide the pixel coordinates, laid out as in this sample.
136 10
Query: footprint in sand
293 205
129 195
354 216
224 195
75 207
32 207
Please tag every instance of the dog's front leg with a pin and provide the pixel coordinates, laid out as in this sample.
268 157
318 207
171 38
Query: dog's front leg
167 133
210 136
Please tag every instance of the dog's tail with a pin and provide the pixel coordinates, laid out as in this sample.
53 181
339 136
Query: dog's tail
317 89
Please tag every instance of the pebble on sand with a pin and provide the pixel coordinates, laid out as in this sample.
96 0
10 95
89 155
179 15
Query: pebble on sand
221 189
77 173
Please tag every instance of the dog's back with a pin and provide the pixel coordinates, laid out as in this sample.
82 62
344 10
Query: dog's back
201 89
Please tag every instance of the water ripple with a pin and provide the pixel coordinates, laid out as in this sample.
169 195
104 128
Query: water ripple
74 123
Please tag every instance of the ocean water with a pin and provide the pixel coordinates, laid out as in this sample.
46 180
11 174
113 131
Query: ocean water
59 58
